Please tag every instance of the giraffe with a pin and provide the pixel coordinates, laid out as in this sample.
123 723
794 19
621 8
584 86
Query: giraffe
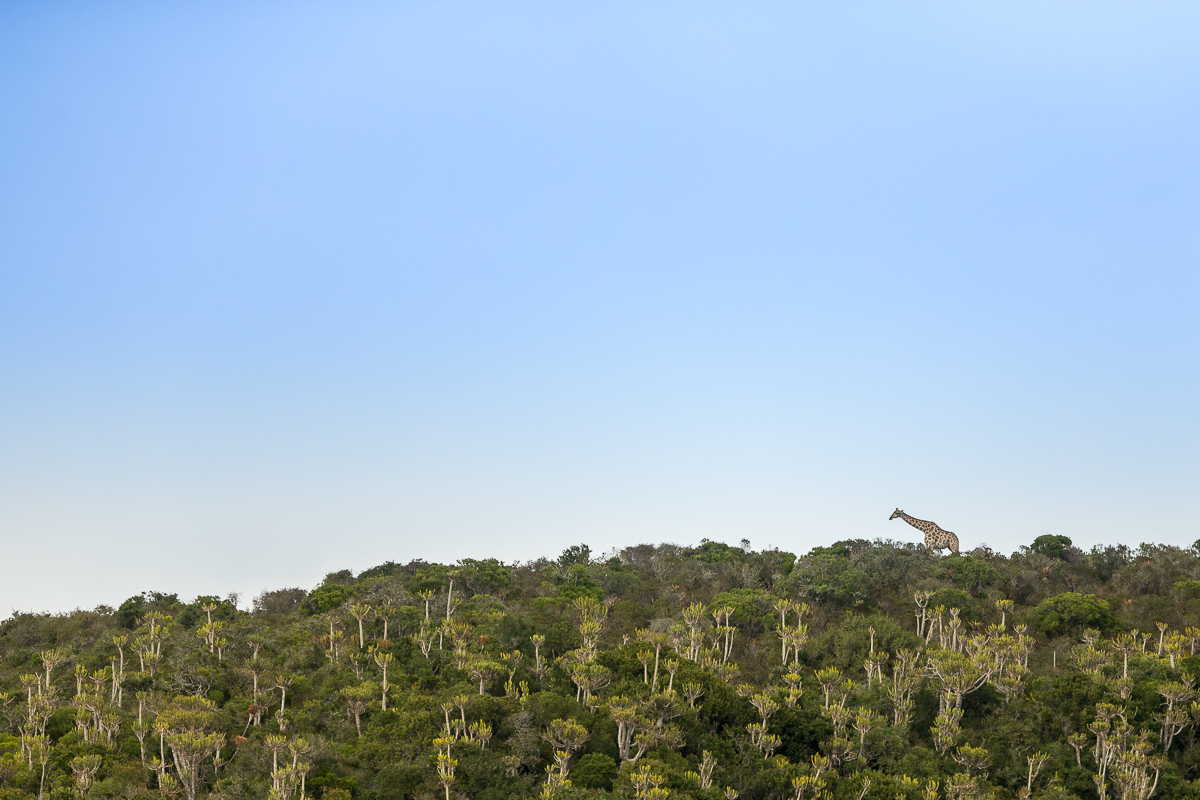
935 537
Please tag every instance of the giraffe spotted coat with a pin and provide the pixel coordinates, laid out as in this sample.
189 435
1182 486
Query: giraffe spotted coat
935 537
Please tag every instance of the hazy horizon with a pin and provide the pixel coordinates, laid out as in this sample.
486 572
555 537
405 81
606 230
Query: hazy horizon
291 289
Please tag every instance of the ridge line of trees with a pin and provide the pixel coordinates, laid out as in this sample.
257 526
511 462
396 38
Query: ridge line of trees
858 670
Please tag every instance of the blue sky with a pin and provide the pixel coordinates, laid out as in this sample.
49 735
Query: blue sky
289 288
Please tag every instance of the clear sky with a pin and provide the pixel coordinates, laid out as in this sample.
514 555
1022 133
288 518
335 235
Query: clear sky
287 288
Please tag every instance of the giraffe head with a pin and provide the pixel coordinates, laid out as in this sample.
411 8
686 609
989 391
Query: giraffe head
895 514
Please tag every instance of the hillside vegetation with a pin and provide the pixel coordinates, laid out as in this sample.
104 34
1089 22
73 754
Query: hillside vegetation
859 670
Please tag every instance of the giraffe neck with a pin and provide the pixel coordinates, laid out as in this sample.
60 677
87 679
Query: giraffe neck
916 523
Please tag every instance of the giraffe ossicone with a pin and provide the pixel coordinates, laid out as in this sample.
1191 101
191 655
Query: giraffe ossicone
935 537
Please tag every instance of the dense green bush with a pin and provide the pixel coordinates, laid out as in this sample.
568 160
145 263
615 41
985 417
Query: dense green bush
1051 546
595 771
1072 612
325 598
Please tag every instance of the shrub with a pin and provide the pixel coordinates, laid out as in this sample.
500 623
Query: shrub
325 599
972 574
594 771
1071 612
1051 546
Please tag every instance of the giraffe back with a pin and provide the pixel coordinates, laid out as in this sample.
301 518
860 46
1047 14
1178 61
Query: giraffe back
935 537
942 539
938 539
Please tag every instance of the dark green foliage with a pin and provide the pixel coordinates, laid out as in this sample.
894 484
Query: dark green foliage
326 778
953 598
488 576
715 552
575 581
400 780
802 728
191 614
827 574
1068 701
342 577
856 573
325 598
752 608
1153 571
384 570
129 612
1051 546
847 643
972 574
1105 561
279 603
1071 612
576 554
778 562
594 771
890 567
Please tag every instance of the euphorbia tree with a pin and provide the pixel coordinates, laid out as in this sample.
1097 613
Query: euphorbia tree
360 611
384 660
